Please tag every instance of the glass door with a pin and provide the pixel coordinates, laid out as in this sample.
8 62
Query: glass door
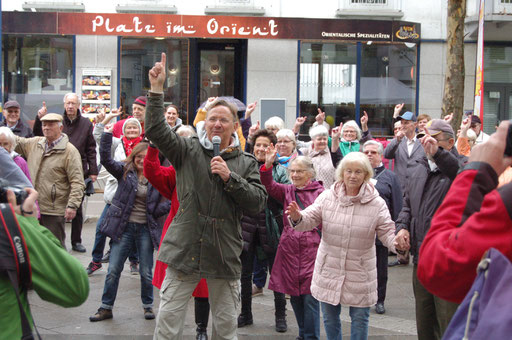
219 69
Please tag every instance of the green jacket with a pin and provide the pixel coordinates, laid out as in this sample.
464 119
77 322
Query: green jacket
205 235
57 277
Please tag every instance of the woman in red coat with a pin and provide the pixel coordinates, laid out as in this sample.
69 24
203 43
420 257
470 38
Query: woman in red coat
164 180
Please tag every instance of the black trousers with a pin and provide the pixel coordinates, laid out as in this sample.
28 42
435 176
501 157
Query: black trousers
201 311
247 259
77 224
382 272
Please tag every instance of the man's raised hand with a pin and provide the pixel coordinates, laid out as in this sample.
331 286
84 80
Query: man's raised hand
157 75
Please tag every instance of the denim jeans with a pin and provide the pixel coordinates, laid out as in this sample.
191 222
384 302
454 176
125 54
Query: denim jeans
138 234
260 272
100 238
359 321
307 313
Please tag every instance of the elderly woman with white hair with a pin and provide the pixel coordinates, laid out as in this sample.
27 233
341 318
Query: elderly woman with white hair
286 147
324 158
8 142
351 213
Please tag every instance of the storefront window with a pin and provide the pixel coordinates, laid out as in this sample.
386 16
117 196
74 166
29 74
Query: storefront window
36 69
328 82
139 55
388 77
328 78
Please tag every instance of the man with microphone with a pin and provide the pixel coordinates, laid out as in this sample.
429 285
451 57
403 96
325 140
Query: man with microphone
216 182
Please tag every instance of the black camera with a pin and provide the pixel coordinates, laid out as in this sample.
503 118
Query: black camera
19 192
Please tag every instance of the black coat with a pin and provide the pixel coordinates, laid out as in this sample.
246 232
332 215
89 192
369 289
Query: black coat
425 193
390 190
122 204
20 130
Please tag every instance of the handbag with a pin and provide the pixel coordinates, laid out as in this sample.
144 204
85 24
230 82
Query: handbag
486 312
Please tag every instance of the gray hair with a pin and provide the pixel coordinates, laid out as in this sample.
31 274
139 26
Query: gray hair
286 133
317 131
274 122
380 148
358 158
186 131
71 94
305 162
7 133
352 124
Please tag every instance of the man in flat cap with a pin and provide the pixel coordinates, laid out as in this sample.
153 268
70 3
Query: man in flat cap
79 131
56 170
12 119
476 126
432 178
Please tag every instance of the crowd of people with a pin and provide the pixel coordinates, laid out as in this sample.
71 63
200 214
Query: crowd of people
225 197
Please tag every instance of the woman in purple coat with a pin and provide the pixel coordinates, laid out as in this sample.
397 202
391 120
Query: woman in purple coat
295 258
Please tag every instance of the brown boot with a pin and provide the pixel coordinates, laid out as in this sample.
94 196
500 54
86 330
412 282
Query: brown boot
101 314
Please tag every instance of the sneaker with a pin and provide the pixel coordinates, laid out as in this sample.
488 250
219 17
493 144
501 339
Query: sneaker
92 267
106 257
256 290
134 268
101 314
281 325
397 263
148 313
379 308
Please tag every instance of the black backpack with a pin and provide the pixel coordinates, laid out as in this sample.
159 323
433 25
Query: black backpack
15 261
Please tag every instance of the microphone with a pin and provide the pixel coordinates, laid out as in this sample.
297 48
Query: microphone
216 145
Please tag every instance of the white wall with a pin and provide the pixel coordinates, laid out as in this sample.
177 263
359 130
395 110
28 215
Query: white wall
272 73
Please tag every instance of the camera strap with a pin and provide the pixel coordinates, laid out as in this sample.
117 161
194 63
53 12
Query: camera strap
15 262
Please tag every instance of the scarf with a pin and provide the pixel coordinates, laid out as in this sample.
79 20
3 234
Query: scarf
348 147
285 160
129 144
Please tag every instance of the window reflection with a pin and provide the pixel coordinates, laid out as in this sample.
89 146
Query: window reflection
36 69
138 55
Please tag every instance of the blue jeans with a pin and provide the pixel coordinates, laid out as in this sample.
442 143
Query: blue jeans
100 238
359 321
259 277
138 234
307 313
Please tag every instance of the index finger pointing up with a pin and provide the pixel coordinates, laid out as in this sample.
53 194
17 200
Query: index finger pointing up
163 59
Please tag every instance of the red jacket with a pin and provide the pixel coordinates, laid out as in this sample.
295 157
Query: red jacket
164 180
473 217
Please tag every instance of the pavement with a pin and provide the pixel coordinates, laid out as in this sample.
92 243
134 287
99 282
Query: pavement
58 323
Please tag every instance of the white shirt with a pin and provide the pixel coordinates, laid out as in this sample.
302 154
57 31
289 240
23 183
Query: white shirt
410 144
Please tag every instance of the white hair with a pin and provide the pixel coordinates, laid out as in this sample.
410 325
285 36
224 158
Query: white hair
5 131
358 158
352 124
380 148
318 130
286 133
305 162
71 94
275 123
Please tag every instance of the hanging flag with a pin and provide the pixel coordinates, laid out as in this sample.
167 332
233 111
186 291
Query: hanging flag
479 78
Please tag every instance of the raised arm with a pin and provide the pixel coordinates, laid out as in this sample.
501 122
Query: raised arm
112 166
161 178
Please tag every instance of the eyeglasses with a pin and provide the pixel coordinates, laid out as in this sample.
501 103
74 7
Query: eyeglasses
370 152
357 172
296 171
284 141
71 104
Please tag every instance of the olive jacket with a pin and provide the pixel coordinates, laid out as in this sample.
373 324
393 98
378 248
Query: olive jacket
205 237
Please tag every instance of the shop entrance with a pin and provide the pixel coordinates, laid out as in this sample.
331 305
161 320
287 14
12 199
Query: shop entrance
218 68
497 105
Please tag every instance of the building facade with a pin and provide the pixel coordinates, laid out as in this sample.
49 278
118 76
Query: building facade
344 56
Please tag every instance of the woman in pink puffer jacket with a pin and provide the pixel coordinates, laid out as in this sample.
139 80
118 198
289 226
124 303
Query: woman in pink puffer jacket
351 213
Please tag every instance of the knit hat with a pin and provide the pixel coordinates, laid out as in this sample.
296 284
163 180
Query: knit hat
134 121
141 100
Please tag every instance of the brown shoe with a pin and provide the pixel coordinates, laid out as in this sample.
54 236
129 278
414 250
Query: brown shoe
149 314
101 314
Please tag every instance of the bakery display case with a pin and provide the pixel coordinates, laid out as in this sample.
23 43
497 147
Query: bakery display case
96 91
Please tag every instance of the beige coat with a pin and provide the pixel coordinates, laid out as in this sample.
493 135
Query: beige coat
57 176
345 268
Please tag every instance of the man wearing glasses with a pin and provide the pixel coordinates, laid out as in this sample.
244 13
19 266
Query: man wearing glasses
79 131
